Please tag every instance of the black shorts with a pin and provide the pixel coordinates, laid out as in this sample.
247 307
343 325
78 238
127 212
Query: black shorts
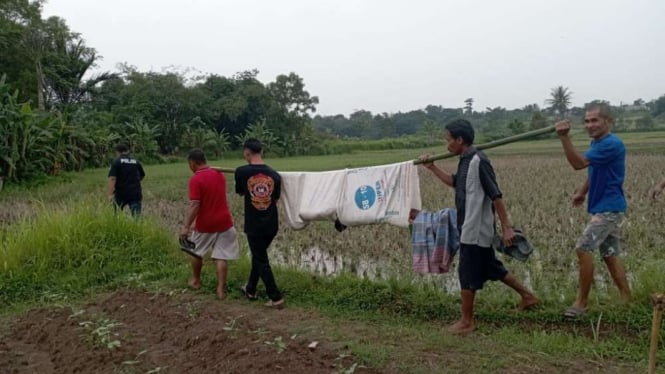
478 265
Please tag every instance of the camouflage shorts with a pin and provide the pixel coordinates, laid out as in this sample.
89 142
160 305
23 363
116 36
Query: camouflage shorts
602 233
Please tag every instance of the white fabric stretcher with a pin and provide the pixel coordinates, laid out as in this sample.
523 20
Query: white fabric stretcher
359 196
377 194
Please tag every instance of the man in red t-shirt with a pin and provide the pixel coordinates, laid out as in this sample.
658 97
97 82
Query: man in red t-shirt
213 224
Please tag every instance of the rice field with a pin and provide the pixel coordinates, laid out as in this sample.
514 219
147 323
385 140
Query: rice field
536 181
537 190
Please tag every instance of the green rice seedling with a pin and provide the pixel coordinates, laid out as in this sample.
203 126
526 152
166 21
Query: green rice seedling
279 344
101 332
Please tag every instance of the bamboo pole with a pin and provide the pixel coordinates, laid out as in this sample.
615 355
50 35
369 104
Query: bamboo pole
496 143
223 170
658 301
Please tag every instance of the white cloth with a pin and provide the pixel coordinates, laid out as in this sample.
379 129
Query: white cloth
310 196
377 194
358 196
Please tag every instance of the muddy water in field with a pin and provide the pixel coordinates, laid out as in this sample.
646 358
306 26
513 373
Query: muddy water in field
318 261
321 262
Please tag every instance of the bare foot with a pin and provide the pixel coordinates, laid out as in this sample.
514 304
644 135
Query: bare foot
461 327
221 295
194 284
528 303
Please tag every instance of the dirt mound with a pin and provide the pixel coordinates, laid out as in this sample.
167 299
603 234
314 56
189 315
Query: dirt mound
138 332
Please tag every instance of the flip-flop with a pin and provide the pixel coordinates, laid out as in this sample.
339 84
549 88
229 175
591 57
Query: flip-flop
188 247
574 312
248 295
279 304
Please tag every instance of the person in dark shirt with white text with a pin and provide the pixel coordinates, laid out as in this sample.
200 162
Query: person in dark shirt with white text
124 180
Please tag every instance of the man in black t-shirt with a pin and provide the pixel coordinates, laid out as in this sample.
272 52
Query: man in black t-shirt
125 175
260 186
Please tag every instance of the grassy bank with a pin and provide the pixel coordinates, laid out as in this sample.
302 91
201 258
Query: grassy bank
74 249
71 252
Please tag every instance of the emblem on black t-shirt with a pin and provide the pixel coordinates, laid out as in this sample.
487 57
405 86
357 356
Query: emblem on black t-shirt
260 188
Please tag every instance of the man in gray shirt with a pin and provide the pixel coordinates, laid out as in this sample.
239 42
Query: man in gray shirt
477 196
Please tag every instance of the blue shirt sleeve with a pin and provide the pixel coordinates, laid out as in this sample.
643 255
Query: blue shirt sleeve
604 151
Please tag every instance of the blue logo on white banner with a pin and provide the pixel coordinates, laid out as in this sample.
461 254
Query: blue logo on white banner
365 197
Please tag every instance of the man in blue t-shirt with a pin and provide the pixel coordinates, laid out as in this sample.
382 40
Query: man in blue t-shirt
606 163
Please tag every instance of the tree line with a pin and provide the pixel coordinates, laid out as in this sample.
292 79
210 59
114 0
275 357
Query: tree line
491 123
55 116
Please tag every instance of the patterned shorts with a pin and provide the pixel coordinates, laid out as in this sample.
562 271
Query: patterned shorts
602 233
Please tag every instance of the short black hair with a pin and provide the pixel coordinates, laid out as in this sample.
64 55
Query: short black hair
254 145
197 156
461 128
122 147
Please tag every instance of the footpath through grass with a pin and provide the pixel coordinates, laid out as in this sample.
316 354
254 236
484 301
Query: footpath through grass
69 253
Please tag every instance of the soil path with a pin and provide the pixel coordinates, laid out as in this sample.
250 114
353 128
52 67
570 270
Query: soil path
138 332
179 332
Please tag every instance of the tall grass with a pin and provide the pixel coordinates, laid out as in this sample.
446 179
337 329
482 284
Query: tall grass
68 250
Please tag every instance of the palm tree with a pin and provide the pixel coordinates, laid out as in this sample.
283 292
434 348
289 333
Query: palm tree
468 106
560 99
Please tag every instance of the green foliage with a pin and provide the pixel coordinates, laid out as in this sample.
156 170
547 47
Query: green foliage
517 127
211 142
259 131
651 279
26 147
43 58
644 123
141 137
405 142
432 130
21 47
537 121
658 106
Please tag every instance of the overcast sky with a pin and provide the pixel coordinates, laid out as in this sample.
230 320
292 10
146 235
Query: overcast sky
390 56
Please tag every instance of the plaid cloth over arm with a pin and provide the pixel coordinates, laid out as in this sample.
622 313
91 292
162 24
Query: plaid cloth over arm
434 241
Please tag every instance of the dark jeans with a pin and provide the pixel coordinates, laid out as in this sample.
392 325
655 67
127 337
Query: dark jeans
134 206
258 245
